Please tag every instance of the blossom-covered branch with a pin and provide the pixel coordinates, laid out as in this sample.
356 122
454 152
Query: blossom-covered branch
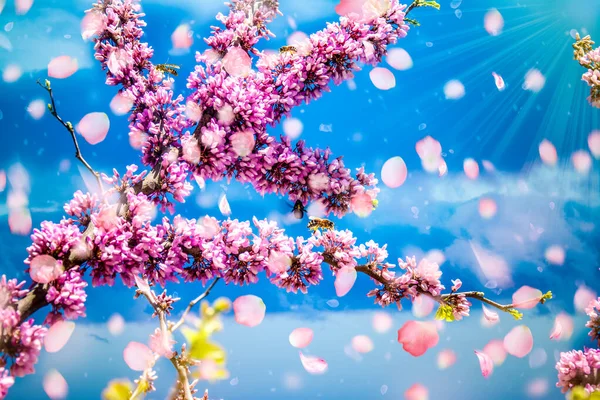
589 58
220 131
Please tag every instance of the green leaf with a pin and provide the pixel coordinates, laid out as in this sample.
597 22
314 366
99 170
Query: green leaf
445 313
546 297
118 389
207 351
411 21
516 314
433 4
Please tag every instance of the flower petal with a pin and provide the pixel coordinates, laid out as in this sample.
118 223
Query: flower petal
344 280
249 310
519 341
394 172
62 67
485 363
417 337
301 337
382 322
93 127
55 385
362 344
313 365
58 335
137 356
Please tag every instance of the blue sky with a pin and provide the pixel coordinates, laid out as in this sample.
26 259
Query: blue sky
541 205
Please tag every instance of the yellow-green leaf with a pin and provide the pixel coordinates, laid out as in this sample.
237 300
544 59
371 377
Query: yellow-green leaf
118 389
445 313
207 351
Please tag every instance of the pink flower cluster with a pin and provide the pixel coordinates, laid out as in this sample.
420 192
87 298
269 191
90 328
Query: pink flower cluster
230 108
232 105
22 341
593 311
591 61
578 368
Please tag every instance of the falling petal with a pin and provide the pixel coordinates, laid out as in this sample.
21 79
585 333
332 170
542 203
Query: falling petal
58 335
430 153
92 24
485 363
19 221
382 78
399 59
237 62
555 255
493 22
313 365
582 161
537 358
93 127
344 280
242 142
416 392
446 358
488 166
394 172
383 390
498 81
422 306
346 7
495 349
297 39
11 73
454 90
22 6
62 67
292 127
362 205
116 324
382 322
583 297
224 205
362 344
526 297
138 356
487 208
566 326
534 81
493 267
594 144
2 180
121 104
548 153
193 111
55 385
538 387
519 341
249 310
556 331
278 263
443 168
36 109
45 269
489 315
182 37
471 168
417 337
301 337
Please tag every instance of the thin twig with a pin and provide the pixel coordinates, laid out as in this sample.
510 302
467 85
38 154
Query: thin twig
366 269
192 304
69 126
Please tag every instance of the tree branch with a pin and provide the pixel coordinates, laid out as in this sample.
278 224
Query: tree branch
192 304
69 126
372 273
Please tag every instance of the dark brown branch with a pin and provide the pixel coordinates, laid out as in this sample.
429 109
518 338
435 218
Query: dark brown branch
69 126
